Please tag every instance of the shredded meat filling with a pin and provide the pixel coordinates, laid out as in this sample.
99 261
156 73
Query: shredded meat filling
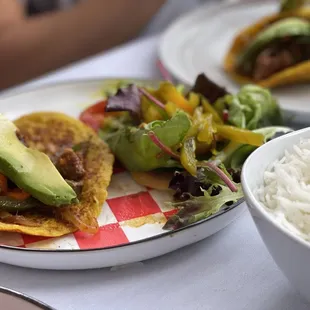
279 56
70 165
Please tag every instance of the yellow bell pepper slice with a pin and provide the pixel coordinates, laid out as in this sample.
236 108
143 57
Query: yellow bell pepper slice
168 92
209 109
150 112
194 100
207 131
197 120
188 156
171 108
240 135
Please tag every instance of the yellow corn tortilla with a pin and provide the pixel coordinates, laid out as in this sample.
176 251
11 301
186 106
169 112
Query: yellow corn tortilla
50 133
293 75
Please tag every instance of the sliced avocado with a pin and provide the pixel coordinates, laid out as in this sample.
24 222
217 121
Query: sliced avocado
288 27
289 5
31 170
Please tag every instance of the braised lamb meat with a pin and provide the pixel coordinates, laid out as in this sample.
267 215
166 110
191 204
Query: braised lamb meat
279 56
70 165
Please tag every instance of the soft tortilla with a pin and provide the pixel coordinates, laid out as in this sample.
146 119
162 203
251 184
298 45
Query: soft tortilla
51 132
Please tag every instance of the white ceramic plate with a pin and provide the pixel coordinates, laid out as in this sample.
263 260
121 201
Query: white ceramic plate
198 41
12 300
132 218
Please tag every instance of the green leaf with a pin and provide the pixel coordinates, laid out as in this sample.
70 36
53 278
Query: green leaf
251 108
236 112
239 157
137 152
288 5
113 125
199 208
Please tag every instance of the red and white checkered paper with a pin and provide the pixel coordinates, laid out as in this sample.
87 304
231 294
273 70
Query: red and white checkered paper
131 212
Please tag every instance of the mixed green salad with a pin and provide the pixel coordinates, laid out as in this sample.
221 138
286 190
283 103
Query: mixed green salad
193 142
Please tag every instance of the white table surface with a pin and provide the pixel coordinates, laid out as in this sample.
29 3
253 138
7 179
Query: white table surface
230 270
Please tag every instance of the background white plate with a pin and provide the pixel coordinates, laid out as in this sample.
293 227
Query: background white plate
72 251
12 300
198 42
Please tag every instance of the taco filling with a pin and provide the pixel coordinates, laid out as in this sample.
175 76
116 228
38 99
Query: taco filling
279 56
279 46
50 183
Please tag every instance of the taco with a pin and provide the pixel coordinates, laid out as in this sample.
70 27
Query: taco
275 51
54 175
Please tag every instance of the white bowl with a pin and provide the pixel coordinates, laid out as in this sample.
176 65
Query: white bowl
291 253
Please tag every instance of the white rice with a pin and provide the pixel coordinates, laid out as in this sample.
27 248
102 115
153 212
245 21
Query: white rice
286 190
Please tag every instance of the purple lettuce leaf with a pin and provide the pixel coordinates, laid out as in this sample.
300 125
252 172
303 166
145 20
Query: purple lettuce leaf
209 89
126 99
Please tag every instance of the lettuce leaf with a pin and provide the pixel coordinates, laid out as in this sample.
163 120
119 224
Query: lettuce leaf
289 5
251 108
137 152
185 185
199 208
126 99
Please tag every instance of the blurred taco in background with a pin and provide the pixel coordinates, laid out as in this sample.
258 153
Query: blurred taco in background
274 51
54 175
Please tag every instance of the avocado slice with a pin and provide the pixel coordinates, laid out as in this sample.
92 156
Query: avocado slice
289 5
288 27
32 170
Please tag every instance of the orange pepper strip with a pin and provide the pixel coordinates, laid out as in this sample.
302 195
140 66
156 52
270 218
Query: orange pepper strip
168 92
3 184
18 194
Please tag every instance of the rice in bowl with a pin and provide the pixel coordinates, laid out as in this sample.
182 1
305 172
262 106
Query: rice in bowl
285 193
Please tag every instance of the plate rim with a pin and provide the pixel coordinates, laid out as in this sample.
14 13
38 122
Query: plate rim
20 295
29 89
12 92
